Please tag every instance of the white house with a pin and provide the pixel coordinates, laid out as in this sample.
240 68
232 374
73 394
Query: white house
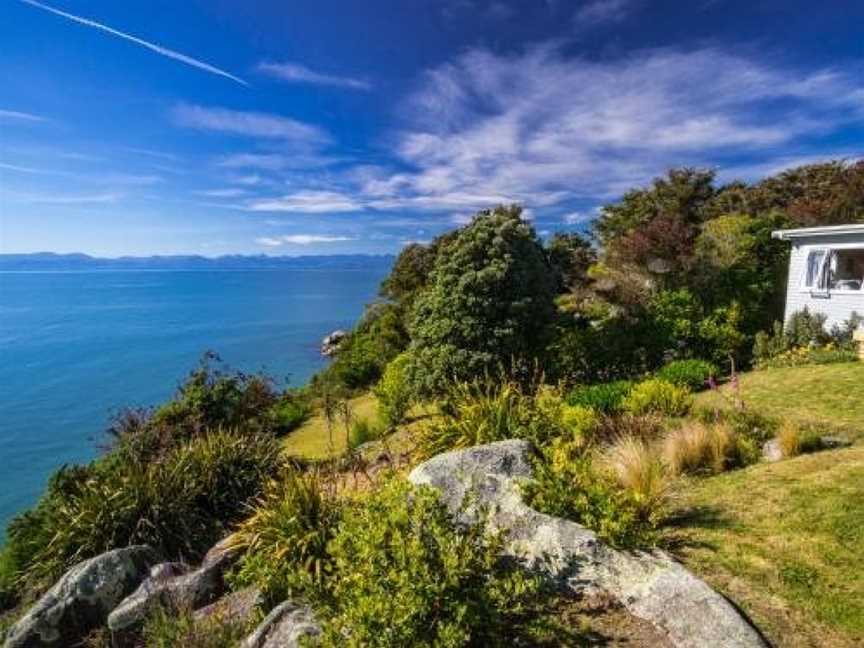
826 271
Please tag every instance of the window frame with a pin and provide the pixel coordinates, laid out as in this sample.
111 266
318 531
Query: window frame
823 286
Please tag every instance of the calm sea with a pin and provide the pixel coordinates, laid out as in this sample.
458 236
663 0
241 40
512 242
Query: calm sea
77 346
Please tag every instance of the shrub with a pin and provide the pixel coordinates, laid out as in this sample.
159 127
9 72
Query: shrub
362 431
285 539
692 374
656 396
484 412
405 574
179 505
804 340
169 629
394 391
568 484
287 415
9 572
607 398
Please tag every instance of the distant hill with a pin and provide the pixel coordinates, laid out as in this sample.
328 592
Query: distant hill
64 262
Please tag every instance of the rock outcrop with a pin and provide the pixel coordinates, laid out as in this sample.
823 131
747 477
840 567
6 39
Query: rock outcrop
284 627
650 585
173 585
331 343
82 599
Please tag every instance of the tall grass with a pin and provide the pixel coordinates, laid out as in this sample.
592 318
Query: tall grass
638 468
695 448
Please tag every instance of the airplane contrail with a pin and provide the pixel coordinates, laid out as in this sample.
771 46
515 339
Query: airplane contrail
164 51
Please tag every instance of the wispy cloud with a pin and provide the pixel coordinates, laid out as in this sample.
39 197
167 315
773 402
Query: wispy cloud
72 199
301 239
543 128
16 115
278 162
159 49
222 193
252 124
296 73
308 202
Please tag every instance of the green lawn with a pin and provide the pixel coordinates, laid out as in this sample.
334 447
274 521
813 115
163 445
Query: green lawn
785 541
832 393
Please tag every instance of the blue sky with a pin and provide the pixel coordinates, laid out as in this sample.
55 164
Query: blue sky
316 127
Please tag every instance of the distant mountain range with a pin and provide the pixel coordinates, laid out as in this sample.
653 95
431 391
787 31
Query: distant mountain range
66 262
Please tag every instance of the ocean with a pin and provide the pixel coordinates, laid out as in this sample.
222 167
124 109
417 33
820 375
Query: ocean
76 347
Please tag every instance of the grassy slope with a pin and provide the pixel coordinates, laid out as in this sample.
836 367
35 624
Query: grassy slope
832 393
785 540
312 439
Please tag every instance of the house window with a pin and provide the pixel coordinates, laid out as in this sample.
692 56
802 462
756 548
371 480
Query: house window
846 270
814 277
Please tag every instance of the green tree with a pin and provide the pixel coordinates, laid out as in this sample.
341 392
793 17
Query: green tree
570 255
489 303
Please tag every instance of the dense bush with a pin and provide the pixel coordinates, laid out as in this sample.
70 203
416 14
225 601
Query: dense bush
180 505
285 539
404 574
378 338
569 483
394 391
485 411
607 398
692 374
488 305
656 396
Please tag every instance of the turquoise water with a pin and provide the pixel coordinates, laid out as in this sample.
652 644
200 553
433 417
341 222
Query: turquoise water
77 346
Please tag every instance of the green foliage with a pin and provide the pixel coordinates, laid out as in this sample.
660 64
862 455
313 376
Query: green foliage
179 505
488 305
8 573
656 396
692 374
288 414
362 431
168 629
485 411
378 338
607 398
285 539
404 574
569 484
804 340
394 391
570 255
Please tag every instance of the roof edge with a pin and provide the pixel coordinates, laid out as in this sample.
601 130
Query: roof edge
802 232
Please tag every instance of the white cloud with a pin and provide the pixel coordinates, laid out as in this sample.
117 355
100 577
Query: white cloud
159 49
278 162
20 116
296 73
542 128
308 202
252 124
300 239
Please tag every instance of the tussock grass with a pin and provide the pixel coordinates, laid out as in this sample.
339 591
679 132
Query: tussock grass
695 448
638 468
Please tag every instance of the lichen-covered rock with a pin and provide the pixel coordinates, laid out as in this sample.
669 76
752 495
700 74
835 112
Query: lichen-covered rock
82 599
651 586
174 586
284 627
331 343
